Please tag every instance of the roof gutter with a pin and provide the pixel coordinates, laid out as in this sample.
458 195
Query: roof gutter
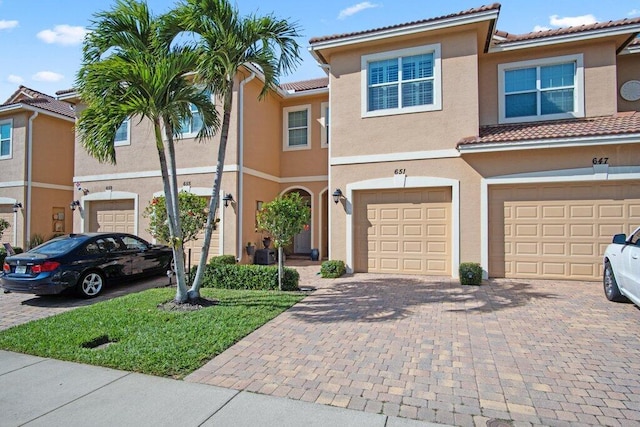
16 107
489 147
406 30
567 38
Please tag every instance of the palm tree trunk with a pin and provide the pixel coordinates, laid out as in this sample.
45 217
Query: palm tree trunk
171 201
194 292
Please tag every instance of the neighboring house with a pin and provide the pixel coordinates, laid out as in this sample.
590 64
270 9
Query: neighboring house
454 142
276 145
36 166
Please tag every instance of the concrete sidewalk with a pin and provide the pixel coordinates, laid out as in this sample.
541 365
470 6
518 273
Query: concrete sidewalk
35 391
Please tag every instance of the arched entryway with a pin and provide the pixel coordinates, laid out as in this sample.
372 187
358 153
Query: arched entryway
302 242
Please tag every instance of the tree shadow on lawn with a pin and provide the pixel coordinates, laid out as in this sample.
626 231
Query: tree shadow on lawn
390 298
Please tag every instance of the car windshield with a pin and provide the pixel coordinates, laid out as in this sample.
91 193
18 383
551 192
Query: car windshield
56 246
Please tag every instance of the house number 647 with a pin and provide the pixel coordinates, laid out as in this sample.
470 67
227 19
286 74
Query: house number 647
400 172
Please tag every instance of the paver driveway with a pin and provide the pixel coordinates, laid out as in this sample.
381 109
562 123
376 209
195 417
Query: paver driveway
531 352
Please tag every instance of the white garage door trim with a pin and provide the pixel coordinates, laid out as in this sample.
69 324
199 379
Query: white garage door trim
402 181
105 196
596 173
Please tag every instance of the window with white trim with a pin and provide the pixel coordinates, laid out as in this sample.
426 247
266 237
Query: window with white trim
297 127
6 131
123 134
324 122
547 89
401 81
190 126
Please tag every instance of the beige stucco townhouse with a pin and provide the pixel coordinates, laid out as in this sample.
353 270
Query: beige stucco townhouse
452 141
276 145
36 166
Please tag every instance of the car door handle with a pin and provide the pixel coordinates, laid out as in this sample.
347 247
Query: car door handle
634 256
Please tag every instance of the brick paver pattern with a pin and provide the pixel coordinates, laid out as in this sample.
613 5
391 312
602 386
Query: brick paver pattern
531 352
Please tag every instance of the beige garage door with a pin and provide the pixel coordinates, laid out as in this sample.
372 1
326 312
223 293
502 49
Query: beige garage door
403 231
557 231
196 245
6 213
112 216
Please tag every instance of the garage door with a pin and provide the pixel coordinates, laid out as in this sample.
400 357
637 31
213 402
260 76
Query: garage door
112 216
196 245
557 231
403 231
6 213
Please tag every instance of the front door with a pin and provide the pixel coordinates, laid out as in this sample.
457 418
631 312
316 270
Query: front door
302 242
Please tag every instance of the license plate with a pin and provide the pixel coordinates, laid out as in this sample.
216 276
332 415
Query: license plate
21 269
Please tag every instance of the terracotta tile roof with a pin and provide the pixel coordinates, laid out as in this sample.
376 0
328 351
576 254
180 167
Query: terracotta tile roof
304 85
25 96
494 6
504 37
626 123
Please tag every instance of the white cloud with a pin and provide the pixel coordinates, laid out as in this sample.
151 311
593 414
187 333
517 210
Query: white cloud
352 10
47 76
540 28
572 21
63 34
7 25
16 80
634 12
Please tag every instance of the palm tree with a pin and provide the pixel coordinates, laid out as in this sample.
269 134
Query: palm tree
131 69
229 42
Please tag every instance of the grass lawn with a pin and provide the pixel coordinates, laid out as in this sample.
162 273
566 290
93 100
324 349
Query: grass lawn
146 339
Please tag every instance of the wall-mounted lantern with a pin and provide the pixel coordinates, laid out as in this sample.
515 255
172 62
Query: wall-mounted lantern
227 198
75 204
337 195
16 206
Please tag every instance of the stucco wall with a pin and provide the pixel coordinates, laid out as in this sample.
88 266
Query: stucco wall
628 69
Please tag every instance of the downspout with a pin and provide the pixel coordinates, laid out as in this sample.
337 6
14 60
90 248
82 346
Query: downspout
239 202
30 175
327 69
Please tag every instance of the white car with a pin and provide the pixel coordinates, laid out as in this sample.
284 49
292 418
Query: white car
621 276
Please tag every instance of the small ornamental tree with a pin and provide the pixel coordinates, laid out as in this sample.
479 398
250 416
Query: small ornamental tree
193 215
4 224
283 218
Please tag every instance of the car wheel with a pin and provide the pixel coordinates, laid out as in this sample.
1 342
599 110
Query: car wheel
611 289
90 284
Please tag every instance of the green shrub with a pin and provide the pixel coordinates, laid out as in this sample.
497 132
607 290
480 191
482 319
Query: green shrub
332 269
470 273
222 259
256 277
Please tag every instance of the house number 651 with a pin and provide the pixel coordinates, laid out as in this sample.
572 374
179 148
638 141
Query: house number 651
400 172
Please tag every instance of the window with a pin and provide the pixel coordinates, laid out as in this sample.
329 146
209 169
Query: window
190 127
5 139
541 90
401 81
324 128
123 134
296 127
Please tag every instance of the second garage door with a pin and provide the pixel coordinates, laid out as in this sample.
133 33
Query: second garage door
112 216
403 231
6 213
557 231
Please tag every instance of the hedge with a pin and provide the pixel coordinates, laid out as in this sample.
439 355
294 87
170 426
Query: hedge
255 277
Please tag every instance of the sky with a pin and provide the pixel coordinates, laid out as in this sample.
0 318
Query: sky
42 39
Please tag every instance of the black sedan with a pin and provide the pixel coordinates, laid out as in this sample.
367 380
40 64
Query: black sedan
84 262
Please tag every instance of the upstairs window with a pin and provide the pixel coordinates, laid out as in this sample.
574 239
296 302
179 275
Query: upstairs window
401 81
297 127
123 134
5 139
547 89
189 127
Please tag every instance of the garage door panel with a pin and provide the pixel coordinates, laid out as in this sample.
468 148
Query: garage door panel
403 231
573 225
112 216
6 213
